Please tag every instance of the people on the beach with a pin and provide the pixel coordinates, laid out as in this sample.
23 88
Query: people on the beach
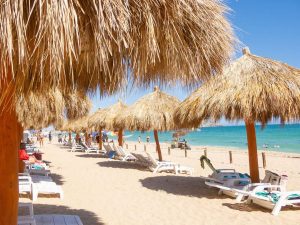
139 139
40 138
50 137
148 139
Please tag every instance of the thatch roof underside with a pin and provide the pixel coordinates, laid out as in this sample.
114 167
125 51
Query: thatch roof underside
104 118
89 44
252 88
41 110
151 112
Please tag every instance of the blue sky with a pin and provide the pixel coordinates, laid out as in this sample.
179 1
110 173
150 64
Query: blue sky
270 28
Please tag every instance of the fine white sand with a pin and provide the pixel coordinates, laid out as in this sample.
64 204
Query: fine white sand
103 191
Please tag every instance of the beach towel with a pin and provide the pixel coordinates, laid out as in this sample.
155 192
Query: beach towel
274 197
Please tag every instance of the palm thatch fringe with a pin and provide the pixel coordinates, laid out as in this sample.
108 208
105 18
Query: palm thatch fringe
90 44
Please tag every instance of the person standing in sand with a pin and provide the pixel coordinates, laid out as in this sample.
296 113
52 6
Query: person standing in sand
139 139
148 139
40 138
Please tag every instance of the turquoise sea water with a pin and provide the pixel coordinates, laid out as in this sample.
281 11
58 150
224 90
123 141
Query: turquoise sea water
284 138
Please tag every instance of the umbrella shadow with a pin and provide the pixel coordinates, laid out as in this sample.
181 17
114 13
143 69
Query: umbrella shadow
86 217
121 165
181 185
57 178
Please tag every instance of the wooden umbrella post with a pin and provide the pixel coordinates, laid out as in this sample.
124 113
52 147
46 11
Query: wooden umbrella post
120 137
8 155
252 151
100 138
157 145
70 137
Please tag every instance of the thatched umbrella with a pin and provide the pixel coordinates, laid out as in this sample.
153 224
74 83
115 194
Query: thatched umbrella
152 112
104 118
41 110
251 89
91 44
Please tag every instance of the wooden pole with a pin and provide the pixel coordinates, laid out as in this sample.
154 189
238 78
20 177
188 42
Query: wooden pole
145 148
205 152
126 146
100 138
169 151
185 152
230 157
157 145
9 145
120 137
252 151
70 137
135 147
264 160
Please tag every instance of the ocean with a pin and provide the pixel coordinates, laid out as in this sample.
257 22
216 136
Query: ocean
272 137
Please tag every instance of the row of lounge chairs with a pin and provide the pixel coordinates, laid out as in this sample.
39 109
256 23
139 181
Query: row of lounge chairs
146 160
270 193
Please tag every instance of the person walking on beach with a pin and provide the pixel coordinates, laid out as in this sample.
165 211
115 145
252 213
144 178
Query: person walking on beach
50 137
148 139
139 139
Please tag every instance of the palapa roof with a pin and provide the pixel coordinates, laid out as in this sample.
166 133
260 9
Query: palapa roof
89 44
104 118
154 111
40 110
252 88
80 124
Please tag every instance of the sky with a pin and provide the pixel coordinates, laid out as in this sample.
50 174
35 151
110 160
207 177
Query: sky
270 28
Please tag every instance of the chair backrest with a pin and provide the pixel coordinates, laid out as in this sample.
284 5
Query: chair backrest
107 148
152 159
275 179
142 159
121 150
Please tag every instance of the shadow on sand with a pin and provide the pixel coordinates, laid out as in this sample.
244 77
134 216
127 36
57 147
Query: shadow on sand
91 155
58 179
87 217
181 185
121 165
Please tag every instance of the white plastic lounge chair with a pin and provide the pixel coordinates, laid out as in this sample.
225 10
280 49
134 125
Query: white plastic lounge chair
26 185
76 148
270 178
273 200
122 154
51 219
178 168
90 149
28 219
239 185
38 185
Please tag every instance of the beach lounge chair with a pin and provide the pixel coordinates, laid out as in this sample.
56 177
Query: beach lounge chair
77 148
37 170
109 152
239 185
270 178
178 168
26 185
155 166
38 185
51 219
28 219
122 154
89 149
274 200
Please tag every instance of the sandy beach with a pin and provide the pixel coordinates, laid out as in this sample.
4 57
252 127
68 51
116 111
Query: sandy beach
112 192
